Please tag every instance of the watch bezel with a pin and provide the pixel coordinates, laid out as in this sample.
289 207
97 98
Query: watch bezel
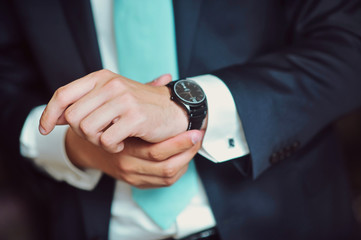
184 100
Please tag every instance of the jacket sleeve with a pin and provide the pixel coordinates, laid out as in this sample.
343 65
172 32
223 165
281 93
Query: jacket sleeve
286 97
21 85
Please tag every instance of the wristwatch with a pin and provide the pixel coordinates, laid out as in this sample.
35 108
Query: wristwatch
189 95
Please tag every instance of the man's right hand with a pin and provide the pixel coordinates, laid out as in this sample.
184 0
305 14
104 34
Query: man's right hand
106 108
140 164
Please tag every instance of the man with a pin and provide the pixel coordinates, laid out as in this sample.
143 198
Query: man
291 67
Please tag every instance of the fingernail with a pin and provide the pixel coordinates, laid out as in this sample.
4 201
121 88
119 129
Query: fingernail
115 119
120 147
42 130
196 138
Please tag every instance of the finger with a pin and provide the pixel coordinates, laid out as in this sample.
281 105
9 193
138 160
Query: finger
165 169
139 173
147 182
87 105
61 119
93 125
112 138
62 98
163 150
161 80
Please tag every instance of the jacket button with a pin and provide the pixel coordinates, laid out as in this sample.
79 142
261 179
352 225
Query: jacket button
288 151
295 145
288 154
275 158
283 154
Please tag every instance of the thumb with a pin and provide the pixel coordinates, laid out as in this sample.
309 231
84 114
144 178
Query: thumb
161 80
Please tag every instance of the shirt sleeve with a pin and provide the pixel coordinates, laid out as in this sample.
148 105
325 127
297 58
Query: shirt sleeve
49 154
224 139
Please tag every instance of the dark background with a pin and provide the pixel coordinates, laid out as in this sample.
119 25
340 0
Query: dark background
349 131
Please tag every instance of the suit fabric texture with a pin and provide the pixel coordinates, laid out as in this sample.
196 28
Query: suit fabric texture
293 68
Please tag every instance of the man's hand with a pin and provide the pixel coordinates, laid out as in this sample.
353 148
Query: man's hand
141 164
106 108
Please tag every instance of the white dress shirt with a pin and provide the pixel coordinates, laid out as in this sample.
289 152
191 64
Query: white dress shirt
128 221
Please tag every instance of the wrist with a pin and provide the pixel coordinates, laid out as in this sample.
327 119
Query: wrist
177 114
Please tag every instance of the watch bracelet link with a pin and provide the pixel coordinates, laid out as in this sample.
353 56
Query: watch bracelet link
196 117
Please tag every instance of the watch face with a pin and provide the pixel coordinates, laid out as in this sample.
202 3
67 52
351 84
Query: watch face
189 91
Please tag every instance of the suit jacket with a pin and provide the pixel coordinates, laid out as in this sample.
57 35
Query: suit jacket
291 66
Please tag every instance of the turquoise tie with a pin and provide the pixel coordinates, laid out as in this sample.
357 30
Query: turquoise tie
146 48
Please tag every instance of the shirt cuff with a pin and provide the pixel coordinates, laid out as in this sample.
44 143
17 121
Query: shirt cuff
49 153
224 138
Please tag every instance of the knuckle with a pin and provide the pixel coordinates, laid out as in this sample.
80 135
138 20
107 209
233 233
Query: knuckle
133 181
125 167
138 169
70 116
103 72
119 167
115 84
61 95
106 140
169 171
86 128
155 155
168 181
129 99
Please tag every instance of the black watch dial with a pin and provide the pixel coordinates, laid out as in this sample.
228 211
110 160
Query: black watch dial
189 91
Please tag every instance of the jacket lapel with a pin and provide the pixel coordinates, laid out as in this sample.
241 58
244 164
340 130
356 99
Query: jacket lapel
81 24
70 35
186 14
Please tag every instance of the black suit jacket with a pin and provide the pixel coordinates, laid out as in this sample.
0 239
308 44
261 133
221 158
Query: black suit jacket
293 67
